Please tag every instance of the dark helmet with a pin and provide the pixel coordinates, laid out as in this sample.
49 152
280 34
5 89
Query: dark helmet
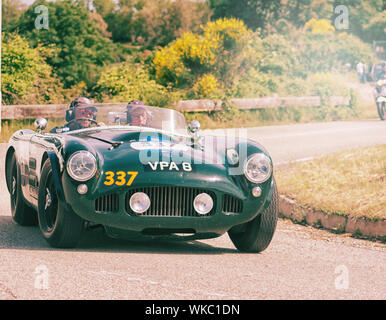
77 103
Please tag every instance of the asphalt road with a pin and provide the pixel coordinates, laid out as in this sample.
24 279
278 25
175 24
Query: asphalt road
300 263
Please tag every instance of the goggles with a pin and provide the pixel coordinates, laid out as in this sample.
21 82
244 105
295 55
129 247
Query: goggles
85 112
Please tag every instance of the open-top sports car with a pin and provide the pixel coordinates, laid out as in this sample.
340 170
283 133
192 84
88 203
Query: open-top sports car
157 178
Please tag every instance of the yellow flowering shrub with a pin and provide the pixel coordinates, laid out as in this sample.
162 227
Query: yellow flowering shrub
226 32
207 61
321 26
206 87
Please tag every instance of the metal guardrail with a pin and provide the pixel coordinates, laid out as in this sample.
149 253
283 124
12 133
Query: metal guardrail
58 110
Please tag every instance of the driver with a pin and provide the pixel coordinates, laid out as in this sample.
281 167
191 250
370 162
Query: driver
81 114
139 117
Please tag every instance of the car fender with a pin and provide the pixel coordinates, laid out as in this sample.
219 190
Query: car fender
10 153
56 173
270 194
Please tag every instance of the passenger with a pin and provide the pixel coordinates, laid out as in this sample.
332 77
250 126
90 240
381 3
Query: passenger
137 115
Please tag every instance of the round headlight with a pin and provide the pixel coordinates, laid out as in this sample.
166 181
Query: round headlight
81 166
139 202
203 203
258 168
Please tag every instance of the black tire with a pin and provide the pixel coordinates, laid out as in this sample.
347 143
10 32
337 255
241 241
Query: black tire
256 235
381 107
60 227
21 213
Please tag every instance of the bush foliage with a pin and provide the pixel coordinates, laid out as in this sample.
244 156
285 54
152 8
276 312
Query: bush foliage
162 51
26 76
209 62
128 81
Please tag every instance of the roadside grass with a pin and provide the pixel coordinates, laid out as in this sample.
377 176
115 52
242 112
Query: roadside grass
345 183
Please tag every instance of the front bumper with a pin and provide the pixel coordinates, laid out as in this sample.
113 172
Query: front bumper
118 218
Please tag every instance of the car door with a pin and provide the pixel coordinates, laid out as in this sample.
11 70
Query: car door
39 144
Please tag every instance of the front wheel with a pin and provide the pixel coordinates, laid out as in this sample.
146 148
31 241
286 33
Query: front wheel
60 227
381 107
256 235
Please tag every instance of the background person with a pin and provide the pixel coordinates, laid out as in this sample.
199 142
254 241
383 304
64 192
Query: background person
361 72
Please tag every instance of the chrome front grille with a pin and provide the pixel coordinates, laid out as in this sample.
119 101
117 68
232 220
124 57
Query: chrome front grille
170 201
231 204
107 203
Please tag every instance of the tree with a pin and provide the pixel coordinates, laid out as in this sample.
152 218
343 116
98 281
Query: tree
104 7
80 49
120 24
161 22
376 28
152 23
256 14
298 12
11 11
26 77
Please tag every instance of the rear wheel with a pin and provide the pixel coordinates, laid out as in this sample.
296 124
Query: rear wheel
256 235
60 227
381 106
21 212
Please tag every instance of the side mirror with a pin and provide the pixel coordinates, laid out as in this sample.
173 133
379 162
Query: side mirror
196 139
194 127
40 124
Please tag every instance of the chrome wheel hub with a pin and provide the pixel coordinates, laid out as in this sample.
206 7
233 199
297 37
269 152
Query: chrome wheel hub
13 185
48 199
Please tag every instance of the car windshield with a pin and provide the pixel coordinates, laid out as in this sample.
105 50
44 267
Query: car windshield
139 117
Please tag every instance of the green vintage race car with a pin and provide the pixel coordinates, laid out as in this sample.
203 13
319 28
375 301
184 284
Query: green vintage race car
159 179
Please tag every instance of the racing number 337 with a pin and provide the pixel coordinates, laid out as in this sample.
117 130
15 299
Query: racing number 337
119 178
